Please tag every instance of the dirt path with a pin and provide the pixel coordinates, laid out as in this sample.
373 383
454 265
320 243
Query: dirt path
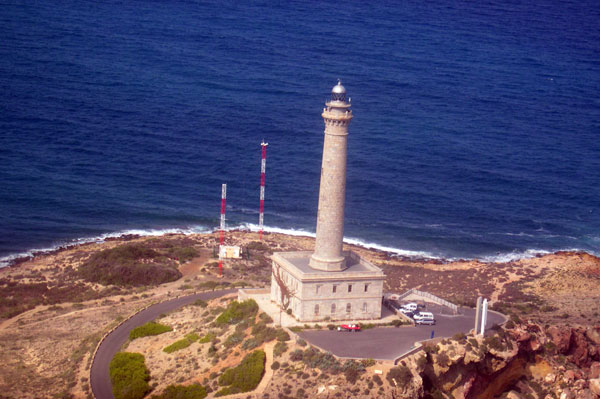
193 267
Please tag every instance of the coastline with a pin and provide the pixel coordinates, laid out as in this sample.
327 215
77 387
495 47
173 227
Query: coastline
15 259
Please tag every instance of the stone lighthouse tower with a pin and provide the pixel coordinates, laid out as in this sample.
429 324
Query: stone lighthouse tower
329 283
332 193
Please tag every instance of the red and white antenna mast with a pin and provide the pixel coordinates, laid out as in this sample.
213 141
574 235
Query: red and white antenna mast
263 168
222 226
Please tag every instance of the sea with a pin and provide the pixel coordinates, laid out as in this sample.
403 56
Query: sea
475 133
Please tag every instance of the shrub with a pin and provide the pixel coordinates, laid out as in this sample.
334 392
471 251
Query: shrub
207 338
150 328
237 311
244 377
279 349
266 318
250 343
377 380
194 391
128 265
494 342
331 326
459 336
352 370
129 376
301 342
282 335
201 303
234 339
368 362
182 343
275 365
296 355
400 374
314 358
183 254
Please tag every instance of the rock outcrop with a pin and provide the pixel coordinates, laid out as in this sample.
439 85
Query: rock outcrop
524 361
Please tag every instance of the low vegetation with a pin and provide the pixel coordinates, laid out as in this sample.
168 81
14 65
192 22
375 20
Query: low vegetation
129 265
148 329
245 377
182 343
237 311
129 376
194 391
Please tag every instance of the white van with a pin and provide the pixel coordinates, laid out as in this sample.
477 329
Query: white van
424 318
412 307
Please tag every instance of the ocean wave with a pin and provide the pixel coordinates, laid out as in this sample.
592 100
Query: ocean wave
200 229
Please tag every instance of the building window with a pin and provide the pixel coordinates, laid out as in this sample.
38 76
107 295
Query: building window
333 308
366 287
318 289
316 310
334 288
364 306
348 308
349 287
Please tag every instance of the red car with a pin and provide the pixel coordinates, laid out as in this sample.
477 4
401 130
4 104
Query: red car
349 327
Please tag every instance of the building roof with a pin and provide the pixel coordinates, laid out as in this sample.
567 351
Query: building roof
296 263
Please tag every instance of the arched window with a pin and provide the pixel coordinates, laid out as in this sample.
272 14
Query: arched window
348 308
364 306
333 308
316 310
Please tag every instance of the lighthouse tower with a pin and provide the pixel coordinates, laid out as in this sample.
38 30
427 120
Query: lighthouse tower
329 283
328 254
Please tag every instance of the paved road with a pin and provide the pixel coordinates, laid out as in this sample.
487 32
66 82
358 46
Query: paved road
389 342
99 377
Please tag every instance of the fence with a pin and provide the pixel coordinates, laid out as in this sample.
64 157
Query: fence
431 297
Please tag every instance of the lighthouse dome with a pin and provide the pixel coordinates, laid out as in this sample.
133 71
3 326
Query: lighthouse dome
338 93
338 88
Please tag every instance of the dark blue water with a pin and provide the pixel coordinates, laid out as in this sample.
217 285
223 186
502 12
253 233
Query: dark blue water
475 132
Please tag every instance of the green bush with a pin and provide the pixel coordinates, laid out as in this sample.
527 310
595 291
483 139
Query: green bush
194 391
282 335
129 265
234 339
150 328
250 343
266 318
207 338
237 311
182 343
183 254
129 376
244 377
279 349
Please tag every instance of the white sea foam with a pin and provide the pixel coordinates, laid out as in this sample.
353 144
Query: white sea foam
199 229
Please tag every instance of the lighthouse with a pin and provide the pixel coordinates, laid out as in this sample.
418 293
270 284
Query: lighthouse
329 283
337 115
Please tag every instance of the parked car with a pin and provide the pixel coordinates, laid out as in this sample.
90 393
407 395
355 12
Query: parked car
349 327
424 318
410 306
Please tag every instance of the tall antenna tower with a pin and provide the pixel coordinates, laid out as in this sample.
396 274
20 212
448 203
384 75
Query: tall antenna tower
222 226
263 168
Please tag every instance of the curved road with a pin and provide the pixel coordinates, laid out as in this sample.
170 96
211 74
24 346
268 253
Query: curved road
99 376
